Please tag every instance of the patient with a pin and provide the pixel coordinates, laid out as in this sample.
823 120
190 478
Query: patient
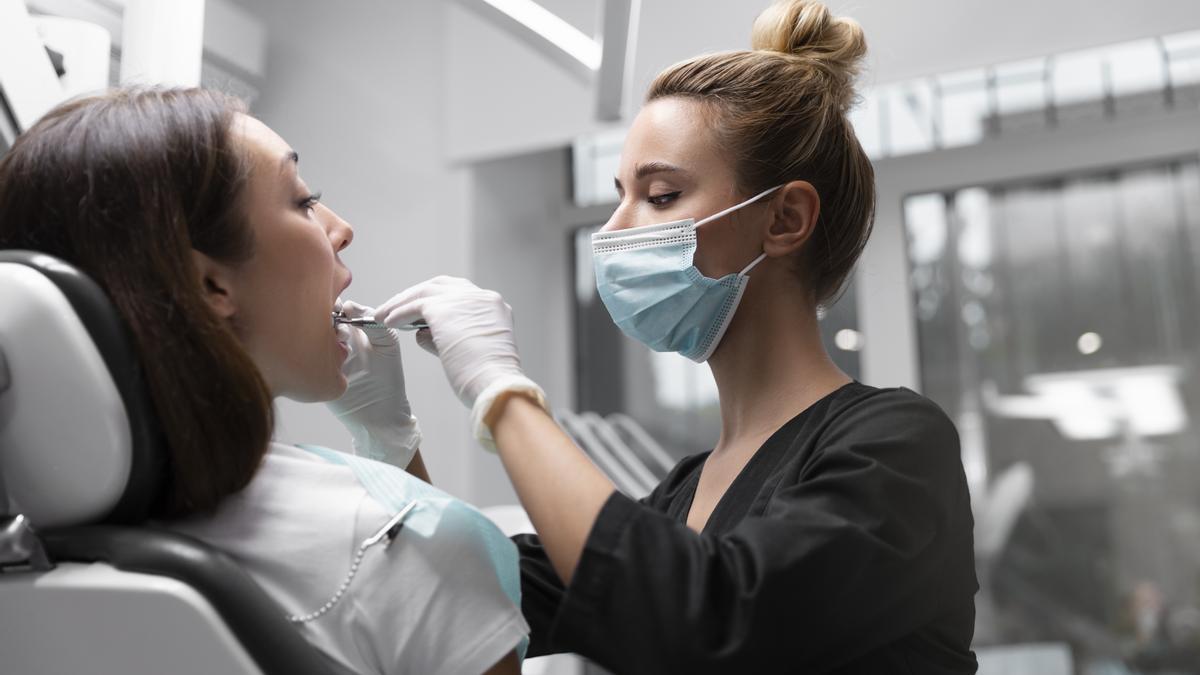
192 216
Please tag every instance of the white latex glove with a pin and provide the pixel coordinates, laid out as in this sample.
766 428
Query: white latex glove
471 330
375 407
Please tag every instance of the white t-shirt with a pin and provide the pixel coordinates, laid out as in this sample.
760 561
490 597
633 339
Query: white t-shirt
424 605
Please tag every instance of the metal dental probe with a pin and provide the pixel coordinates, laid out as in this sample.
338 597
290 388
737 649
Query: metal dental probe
365 322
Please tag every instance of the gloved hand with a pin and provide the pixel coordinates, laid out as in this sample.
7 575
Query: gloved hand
375 407
471 330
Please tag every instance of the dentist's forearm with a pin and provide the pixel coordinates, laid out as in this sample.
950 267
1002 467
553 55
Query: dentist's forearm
559 487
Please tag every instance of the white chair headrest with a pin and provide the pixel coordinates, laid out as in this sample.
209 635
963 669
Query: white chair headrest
77 439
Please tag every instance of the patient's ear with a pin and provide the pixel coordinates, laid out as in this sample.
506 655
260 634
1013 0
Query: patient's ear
216 283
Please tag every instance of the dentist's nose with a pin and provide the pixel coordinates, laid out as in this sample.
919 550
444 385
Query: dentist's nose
620 219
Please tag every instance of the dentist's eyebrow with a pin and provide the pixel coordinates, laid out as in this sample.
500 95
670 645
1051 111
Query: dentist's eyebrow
651 168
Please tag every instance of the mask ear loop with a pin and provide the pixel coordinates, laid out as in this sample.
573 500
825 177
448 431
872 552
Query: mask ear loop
735 207
749 267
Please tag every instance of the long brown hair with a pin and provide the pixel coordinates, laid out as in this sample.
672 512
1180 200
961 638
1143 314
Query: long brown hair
780 112
124 186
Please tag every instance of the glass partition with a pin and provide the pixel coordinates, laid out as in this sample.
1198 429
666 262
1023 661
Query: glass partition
1056 327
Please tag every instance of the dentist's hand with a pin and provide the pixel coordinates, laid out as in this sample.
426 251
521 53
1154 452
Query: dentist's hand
375 407
471 330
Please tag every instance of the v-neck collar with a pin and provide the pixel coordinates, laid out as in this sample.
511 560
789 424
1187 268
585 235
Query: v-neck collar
740 496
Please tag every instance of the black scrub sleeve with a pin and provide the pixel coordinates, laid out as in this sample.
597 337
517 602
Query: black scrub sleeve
541 594
542 591
864 547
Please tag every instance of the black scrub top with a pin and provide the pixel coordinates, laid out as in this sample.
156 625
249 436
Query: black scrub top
844 546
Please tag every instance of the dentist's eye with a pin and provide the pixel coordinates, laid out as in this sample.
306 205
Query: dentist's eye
663 199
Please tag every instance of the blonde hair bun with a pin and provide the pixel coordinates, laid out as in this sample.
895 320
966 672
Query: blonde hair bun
807 29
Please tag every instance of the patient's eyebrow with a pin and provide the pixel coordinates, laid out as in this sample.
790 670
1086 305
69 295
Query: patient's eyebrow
290 157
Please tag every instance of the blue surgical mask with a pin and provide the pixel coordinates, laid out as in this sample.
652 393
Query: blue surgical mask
655 294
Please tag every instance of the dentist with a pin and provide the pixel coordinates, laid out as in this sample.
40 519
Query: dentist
829 529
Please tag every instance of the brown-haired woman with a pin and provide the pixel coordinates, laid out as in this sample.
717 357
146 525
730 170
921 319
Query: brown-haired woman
193 218
829 531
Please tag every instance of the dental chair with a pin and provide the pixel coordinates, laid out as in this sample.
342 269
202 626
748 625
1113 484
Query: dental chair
85 585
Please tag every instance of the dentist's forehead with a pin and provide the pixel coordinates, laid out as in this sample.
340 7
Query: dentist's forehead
669 135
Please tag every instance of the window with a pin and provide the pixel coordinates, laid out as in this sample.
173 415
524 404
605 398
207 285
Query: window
1049 329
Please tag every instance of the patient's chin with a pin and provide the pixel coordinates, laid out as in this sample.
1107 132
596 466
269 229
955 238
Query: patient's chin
336 387
339 387
328 389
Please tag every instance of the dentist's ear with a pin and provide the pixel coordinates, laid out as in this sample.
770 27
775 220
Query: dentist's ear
794 210
216 282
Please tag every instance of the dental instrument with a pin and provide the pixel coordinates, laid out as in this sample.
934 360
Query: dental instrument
367 322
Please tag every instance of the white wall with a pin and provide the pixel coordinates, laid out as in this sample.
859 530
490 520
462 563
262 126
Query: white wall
356 88
519 212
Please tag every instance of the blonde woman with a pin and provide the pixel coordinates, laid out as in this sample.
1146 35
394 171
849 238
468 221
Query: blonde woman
829 529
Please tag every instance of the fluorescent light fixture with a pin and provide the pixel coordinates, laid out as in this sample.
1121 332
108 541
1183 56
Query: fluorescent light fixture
1152 404
1089 343
551 28
1099 404
1078 411
848 340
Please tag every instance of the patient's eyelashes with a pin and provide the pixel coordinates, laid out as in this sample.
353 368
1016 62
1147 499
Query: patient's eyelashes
310 202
